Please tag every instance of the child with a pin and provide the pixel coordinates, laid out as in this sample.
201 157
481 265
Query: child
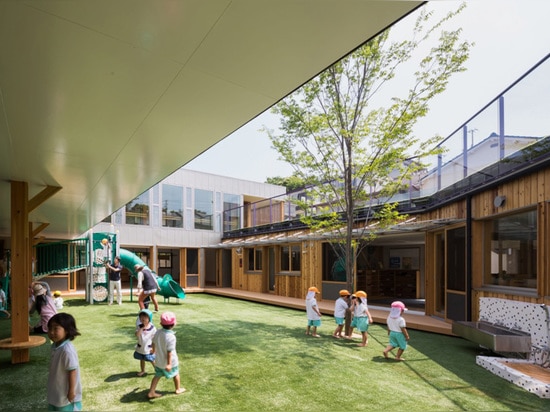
312 311
64 387
166 358
58 300
44 305
397 329
3 303
150 287
145 331
340 307
361 316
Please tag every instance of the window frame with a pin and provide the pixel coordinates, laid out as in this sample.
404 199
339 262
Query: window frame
289 268
523 258
254 256
166 217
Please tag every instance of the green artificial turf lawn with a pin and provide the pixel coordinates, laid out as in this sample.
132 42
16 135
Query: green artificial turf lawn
242 356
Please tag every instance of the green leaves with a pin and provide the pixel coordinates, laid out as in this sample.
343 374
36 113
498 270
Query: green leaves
350 129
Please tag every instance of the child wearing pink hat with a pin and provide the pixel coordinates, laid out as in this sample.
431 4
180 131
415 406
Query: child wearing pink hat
397 330
166 358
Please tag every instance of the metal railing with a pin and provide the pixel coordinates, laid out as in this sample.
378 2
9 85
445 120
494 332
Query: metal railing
58 257
510 131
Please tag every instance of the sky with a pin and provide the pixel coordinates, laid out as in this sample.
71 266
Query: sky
510 37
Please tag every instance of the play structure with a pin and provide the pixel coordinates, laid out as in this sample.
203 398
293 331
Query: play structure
105 248
90 253
169 288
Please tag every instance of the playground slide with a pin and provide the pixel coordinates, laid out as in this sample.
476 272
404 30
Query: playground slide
169 288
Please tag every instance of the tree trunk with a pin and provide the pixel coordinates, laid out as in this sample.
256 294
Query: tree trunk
347 323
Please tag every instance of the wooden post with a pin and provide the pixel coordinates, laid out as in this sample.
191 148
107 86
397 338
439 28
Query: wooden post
20 270
22 235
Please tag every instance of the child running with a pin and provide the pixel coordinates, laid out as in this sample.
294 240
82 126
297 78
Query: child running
145 331
313 313
64 387
397 329
166 358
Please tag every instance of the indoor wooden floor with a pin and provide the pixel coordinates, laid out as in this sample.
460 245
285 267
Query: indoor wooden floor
415 319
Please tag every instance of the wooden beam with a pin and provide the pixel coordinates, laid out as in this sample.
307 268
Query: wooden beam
20 274
41 197
38 240
39 229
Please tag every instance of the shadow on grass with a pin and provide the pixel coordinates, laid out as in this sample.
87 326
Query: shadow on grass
76 302
124 315
136 395
119 376
453 353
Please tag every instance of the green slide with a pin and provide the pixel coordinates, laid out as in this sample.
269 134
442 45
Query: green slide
169 288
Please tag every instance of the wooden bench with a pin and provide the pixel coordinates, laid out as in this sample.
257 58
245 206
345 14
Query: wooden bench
34 340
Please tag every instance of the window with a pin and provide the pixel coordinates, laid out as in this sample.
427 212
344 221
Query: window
290 258
192 261
137 211
231 212
165 260
511 252
143 255
254 259
204 209
172 206
334 267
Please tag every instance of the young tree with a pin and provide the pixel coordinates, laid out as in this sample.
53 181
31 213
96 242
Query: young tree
291 183
336 135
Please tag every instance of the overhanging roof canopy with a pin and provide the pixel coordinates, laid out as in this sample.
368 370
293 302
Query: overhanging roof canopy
105 98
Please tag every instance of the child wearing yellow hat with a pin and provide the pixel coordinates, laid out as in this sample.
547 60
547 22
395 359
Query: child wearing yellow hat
361 316
313 313
58 300
340 307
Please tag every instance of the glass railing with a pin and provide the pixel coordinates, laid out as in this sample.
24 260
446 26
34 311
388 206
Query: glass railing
513 122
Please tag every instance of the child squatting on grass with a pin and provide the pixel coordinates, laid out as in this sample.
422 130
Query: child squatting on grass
313 313
145 331
64 387
166 358
397 329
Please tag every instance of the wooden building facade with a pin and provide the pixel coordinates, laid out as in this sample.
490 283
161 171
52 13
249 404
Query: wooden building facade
491 243
478 225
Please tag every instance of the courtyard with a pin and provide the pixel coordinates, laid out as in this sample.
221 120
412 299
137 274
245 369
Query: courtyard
243 356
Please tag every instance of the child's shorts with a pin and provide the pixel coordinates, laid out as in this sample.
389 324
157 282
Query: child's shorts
361 323
160 372
397 340
314 322
75 406
150 357
339 321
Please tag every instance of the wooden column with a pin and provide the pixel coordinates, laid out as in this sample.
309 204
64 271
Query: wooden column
21 265
20 270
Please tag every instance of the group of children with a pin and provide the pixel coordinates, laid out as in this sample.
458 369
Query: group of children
357 304
158 346
64 390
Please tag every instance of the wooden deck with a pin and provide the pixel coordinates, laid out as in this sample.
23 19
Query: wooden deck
415 319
